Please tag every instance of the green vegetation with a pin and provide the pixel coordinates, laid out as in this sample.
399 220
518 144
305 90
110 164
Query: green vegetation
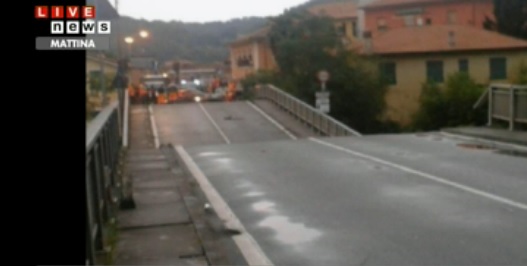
303 45
511 18
449 106
522 74
95 81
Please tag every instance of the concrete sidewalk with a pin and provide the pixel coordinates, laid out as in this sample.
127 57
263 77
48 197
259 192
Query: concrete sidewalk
169 225
488 133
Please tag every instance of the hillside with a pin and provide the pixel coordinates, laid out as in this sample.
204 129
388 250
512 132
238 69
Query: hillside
199 42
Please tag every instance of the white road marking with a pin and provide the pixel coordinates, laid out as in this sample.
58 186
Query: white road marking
427 176
154 126
245 242
215 124
274 122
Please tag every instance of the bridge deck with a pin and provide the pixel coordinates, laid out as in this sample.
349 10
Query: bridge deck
379 200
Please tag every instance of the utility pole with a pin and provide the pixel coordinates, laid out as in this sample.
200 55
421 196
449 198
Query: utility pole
117 30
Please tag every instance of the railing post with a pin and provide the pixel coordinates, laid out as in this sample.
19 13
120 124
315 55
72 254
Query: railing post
511 108
490 110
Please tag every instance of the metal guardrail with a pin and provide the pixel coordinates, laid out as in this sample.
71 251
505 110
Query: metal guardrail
320 122
508 103
105 136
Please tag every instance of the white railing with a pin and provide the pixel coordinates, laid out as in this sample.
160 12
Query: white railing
507 102
317 120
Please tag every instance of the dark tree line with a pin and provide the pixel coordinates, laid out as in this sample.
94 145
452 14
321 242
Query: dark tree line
511 18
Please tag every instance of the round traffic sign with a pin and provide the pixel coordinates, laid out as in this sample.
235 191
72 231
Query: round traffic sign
323 75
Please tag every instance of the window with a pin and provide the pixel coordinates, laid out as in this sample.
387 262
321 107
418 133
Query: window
389 73
463 65
409 20
355 29
451 17
498 68
341 29
428 21
381 24
434 71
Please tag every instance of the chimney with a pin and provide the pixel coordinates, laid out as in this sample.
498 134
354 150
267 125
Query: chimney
451 39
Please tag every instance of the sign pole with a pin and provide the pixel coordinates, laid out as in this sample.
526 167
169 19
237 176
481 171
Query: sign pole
322 97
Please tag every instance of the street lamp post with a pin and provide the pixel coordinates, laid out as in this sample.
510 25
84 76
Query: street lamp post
129 41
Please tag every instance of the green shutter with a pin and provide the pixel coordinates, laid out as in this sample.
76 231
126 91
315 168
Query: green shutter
434 71
498 68
389 72
463 65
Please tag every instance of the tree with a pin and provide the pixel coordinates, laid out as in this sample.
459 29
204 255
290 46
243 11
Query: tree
511 18
522 74
304 44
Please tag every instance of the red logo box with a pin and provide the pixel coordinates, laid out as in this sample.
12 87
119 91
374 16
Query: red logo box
69 12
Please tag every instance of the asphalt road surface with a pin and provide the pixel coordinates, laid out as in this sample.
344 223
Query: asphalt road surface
192 124
374 200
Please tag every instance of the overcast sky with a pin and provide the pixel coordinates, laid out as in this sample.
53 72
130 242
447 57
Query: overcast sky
202 10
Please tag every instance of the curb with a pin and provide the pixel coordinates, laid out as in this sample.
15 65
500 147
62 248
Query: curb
493 141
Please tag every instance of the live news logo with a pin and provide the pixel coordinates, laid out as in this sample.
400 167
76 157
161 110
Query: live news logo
72 20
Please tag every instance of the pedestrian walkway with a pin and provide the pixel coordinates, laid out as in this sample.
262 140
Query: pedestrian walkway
490 133
169 225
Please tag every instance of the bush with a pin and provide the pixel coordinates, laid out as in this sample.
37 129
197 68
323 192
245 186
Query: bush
260 77
522 74
451 106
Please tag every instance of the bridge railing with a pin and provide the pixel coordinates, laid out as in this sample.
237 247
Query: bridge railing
317 120
106 136
507 103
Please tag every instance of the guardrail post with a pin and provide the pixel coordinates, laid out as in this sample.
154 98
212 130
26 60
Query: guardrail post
511 108
491 109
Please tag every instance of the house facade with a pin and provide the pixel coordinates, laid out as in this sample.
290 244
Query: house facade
385 15
250 54
345 16
413 56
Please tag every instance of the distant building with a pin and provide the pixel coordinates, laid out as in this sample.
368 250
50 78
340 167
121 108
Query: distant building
95 65
96 62
413 55
386 15
251 53
345 15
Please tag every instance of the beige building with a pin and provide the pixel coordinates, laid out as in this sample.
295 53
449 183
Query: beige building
411 56
250 54
95 64
345 15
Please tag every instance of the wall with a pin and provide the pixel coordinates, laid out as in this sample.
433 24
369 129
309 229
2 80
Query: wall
403 98
266 57
238 50
261 53
467 13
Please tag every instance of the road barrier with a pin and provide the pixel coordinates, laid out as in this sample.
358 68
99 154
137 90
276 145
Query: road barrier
105 136
318 121
507 102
